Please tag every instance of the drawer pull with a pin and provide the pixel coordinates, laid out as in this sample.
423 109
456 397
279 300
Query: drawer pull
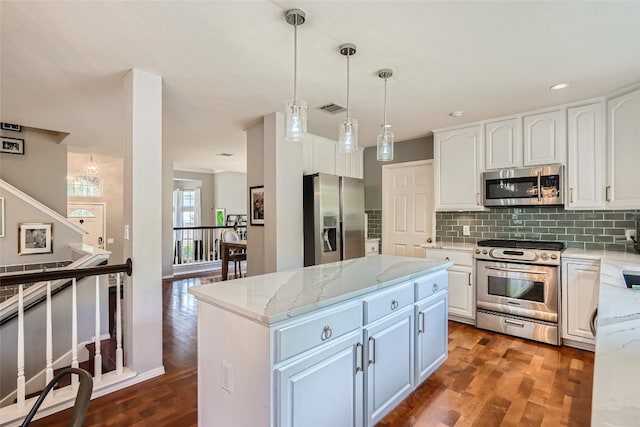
511 322
372 360
326 333
435 287
470 283
447 259
421 322
394 304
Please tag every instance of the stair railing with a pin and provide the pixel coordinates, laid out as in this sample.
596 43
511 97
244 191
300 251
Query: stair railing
21 279
199 245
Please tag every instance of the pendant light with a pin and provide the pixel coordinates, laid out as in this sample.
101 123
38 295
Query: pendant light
348 131
295 125
385 134
91 169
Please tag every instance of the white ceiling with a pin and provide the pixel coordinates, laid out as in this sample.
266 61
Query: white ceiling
225 64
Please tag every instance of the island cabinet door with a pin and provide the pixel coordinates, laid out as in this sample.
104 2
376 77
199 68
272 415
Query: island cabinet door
323 388
431 335
389 358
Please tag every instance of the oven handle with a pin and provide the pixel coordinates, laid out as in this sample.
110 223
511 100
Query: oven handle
515 270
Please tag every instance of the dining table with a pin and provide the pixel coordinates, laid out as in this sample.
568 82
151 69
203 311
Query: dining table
226 248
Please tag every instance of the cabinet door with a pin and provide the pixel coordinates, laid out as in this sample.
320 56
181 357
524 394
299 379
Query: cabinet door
580 290
458 159
623 151
585 157
323 155
390 375
461 293
431 335
503 141
322 389
357 164
545 139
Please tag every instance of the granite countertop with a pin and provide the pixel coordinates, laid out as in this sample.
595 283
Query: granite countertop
616 382
273 297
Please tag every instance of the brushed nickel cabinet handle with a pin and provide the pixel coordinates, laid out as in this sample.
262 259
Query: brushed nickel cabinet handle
421 322
511 322
372 360
606 193
361 367
326 333
470 283
394 304
571 195
435 287
478 199
592 322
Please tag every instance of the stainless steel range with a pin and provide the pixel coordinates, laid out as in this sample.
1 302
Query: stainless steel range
518 284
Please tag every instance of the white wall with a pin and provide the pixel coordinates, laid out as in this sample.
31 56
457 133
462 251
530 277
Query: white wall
230 192
42 171
255 177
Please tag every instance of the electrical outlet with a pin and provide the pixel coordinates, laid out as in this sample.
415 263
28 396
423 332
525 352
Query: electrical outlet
466 231
630 234
126 232
227 377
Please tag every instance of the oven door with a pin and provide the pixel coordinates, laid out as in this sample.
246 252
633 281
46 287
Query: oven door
520 289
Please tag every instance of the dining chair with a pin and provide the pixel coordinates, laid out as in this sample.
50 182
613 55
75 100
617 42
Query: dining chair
235 255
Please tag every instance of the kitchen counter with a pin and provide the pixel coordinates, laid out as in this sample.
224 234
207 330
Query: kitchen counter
616 382
274 297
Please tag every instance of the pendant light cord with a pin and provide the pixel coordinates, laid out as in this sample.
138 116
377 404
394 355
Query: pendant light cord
348 86
295 59
385 102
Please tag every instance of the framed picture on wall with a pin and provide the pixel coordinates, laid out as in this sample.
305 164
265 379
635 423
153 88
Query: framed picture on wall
1 216
256 207
35 238
12 145
220 217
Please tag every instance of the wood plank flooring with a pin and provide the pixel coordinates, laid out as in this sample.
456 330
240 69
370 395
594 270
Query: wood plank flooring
489 380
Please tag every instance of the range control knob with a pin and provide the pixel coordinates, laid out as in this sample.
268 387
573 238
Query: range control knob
554 256
477 251
484 251
544 256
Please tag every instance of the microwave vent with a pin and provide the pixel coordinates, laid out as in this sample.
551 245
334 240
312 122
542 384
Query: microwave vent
332 108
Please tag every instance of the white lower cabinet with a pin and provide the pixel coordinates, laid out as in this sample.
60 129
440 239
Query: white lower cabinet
390 375
431 334
580 287
323 388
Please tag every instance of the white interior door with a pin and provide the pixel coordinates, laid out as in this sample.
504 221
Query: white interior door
408 214
91 218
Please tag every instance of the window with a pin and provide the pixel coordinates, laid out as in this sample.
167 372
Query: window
83 185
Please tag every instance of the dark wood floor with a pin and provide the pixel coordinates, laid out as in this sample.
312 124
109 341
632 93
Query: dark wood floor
489 380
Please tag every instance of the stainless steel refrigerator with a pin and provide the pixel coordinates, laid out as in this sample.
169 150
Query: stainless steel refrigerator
333 218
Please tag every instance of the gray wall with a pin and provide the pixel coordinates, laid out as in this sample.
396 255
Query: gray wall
405 151
185 180
230 192
42 171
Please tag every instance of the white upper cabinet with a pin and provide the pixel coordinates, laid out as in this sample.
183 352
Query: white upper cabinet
545 140
503 141
459 162
585 157
623 152
321 155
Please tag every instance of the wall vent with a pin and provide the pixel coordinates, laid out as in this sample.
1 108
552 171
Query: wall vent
332 108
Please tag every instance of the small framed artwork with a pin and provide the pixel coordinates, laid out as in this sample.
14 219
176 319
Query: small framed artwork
10 126
35 238
256 209
12 145
220 217
1 216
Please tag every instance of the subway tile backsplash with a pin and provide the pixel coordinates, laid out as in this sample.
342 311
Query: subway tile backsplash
577 229
374 223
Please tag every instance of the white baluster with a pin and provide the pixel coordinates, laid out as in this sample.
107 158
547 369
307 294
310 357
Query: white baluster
21 381
74 333
97 374
118 326
49 342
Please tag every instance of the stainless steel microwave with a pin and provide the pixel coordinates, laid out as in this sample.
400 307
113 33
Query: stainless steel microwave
533 186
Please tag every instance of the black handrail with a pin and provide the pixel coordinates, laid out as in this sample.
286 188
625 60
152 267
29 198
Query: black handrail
43 276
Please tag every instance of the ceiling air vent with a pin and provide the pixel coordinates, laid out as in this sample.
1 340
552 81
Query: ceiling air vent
332 108
224 154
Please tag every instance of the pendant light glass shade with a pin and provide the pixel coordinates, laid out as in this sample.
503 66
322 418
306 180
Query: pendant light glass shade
91 169
295 121
348 130
385 144
385 135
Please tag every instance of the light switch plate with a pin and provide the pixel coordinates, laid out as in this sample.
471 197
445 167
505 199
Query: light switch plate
466 230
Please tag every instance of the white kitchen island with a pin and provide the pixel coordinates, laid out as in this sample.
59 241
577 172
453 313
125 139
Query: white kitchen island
338 344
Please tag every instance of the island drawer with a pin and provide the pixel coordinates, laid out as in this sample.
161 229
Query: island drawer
430 284
459 257
318 329
387 302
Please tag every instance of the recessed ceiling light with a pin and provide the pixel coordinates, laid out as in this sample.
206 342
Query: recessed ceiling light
456 114
559 86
